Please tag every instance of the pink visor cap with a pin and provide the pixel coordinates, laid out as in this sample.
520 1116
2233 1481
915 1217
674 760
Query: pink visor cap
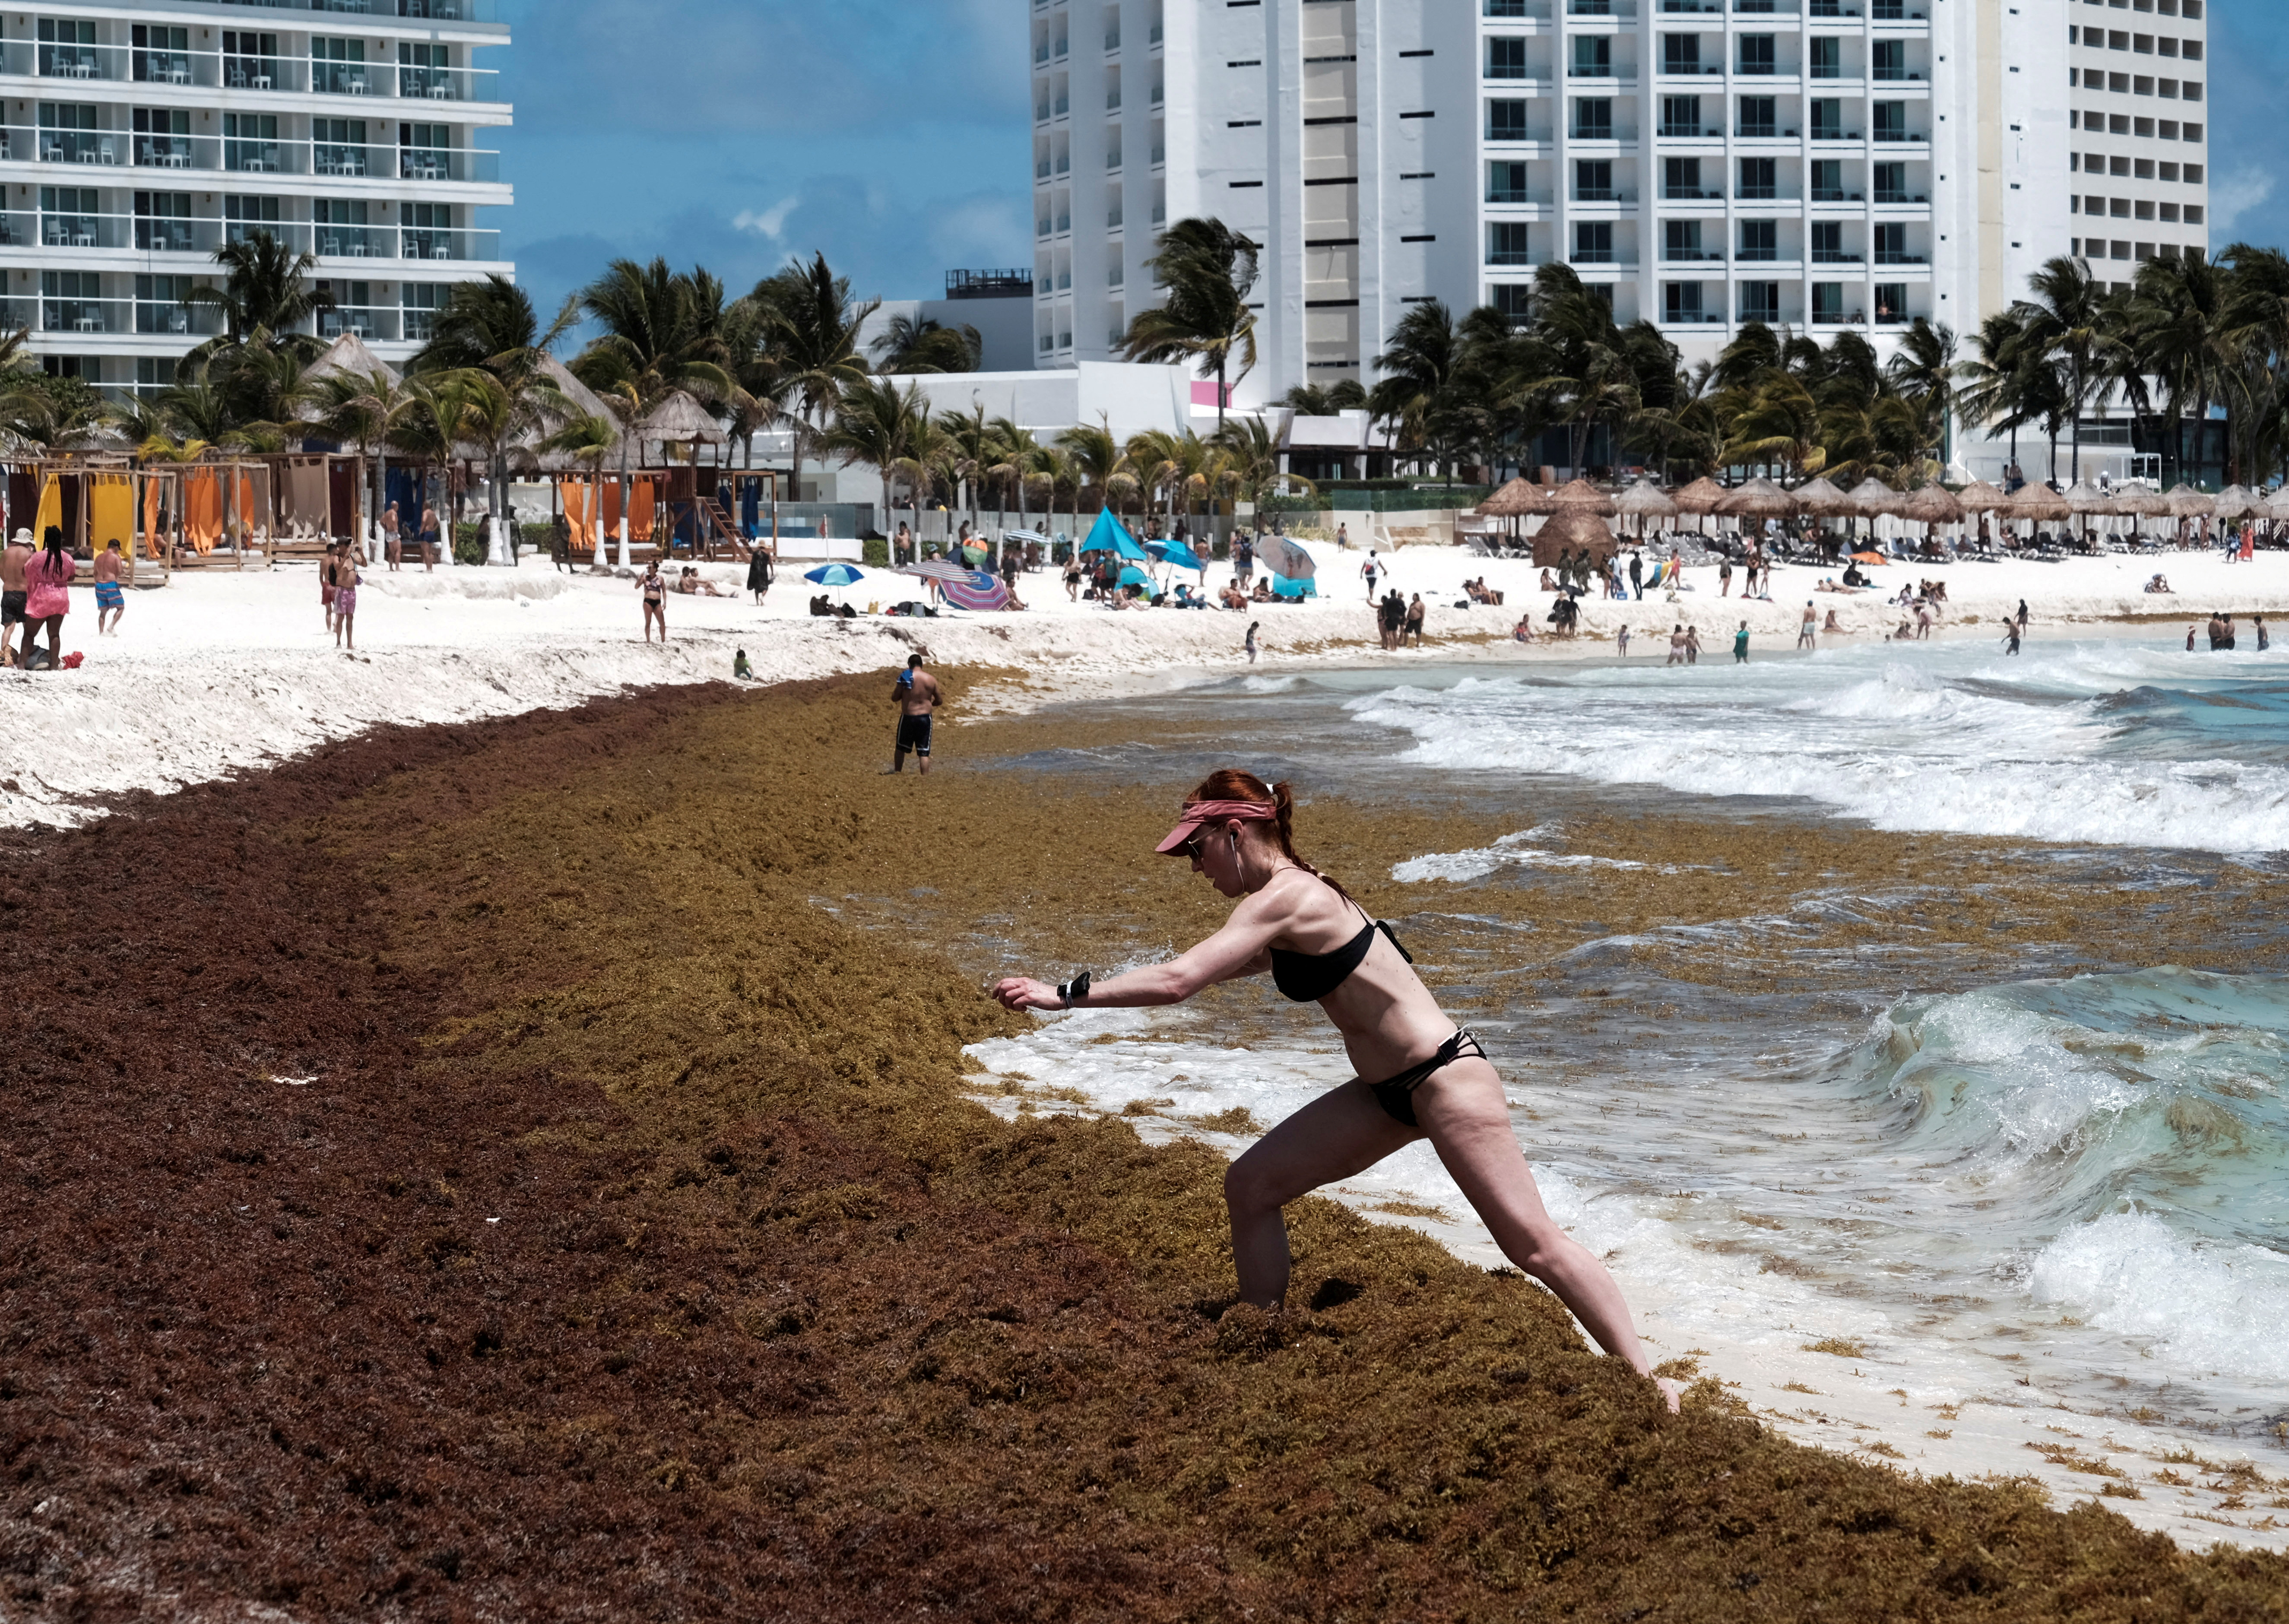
1202 812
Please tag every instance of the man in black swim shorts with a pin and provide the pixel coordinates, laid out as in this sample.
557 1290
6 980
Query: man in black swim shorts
14 560
916 696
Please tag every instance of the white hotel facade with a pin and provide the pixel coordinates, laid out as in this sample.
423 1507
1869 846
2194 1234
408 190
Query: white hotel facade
141 136
1829 164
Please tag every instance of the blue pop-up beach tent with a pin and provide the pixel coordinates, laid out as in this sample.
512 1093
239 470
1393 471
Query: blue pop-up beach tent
1290 587
1108 535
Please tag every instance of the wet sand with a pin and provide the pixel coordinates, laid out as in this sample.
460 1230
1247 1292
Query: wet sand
523 1169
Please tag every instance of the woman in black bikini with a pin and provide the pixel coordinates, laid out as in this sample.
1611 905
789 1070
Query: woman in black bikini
1437 1082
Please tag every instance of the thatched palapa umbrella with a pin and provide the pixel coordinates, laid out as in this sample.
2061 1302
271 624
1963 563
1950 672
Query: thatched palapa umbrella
1519 499
679 419
1820 498
1644 502
1983 498
1582 494
1931 505
2238 502
1700 498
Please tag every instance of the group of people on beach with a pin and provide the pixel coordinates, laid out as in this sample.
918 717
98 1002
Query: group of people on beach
35 594
392 538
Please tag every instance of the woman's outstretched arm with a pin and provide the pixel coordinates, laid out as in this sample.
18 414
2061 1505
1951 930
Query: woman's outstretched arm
1241 948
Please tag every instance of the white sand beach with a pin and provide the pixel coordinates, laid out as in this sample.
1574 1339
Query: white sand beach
223 670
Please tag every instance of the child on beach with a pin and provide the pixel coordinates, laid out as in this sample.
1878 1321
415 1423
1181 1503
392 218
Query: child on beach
1251 640
110 601
1620 642
346 585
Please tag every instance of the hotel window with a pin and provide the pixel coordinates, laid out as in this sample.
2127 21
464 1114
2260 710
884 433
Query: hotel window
1513 301
1757 54
353 310
1892 245
1759 179
1828 243
1593 180
1680 240
163 222
72 301
1827 119
70 217
1889 59
67 50
1892 303
1506 183
1681 180
162 138
250 217
337 68
1761 240
1681 53
420 302
1593 56
1681 302
1828 301
1891 121
1505 121
1507 242
1759 116
1828 59
250 143
1828 180
1760 302
1506 57
159 55
1593 121
1680 116
1505 8
1891 183
159 303
249 60
1594 241
153 373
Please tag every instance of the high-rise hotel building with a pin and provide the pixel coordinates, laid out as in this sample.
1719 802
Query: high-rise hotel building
1829 164
141 136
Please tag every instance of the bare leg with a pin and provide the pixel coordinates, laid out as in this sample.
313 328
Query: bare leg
1469 1124
1342 1133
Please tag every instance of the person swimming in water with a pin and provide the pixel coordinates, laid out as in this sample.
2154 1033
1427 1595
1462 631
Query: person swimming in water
1436 1082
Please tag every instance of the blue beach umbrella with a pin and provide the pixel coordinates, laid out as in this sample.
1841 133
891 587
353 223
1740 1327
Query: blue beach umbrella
833 575
1108 535
1178 554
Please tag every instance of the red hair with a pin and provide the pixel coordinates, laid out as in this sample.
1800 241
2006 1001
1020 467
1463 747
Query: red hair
1231 784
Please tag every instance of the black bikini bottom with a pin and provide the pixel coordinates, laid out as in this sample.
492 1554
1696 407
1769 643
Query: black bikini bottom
1396 1095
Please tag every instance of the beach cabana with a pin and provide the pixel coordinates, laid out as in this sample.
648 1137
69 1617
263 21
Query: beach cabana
1515 503
696 519
1757 499
1582 495
1822 499
1570 531
1983 498
1699 499
1931 505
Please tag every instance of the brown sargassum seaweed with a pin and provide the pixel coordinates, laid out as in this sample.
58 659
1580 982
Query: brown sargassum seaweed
772 1324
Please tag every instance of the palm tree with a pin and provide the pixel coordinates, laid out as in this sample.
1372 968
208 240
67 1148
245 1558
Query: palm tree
809 331
909 346
1096 459
1995 378
492 325
1921 373
1251 461
364 410
1414 390
974 450
2180 337
444 412
2066 319
1208 270
263 298
886 428
1325 399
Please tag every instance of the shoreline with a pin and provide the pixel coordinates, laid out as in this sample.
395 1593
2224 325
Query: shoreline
478 1223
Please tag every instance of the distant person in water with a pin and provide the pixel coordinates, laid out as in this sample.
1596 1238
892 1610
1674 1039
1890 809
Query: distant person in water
110 598
917 698
1741 645
1807 633
2011 637
2264 638
1418 1075
1250 644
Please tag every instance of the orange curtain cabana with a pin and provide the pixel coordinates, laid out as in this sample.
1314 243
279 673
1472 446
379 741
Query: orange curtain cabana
202 509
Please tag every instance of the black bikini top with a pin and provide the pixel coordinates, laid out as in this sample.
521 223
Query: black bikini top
1306 978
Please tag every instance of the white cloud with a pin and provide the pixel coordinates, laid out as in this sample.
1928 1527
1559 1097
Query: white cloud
771 223
2235 195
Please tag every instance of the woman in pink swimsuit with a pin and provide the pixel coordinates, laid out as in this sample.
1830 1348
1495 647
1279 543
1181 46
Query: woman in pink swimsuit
47 579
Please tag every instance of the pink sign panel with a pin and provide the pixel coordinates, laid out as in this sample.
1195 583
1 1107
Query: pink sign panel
1205 395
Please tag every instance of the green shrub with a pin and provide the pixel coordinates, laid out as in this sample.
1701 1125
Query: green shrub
875 552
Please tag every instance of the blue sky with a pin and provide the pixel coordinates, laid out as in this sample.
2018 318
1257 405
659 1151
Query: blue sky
894 135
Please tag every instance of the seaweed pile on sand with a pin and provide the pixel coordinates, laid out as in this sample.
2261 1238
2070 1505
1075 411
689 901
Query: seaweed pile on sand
467 1174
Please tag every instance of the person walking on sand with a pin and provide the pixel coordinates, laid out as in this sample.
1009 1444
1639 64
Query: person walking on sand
917 698
759 572
429 538
1250 644
1072 578
393 544
1741 645
1417 1074
1343 537
346 590
1372 570
48 579
1725 580
1637 576
1622 642
326 582
15 558
1807 633
110 600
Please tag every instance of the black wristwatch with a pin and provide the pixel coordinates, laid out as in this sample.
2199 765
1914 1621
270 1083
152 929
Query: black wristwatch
1072 992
